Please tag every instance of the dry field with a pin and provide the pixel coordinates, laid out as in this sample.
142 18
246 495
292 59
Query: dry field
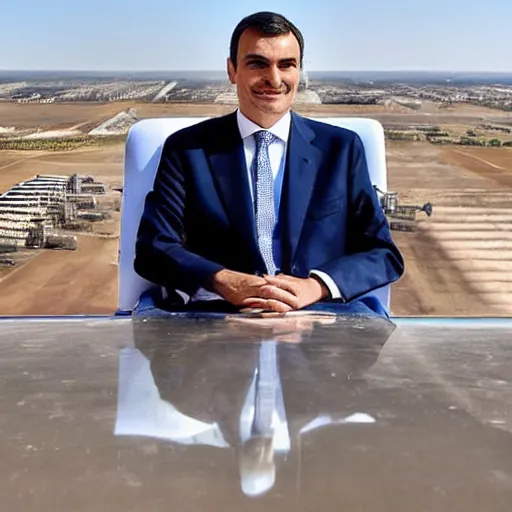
105 163
56 116
64 283
458 262
85 116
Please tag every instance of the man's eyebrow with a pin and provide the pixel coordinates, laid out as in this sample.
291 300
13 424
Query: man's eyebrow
257 56
289 60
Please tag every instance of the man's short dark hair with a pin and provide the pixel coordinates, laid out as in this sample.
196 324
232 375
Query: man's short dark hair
268 24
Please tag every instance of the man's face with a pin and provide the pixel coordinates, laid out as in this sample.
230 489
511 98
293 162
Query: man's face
267 75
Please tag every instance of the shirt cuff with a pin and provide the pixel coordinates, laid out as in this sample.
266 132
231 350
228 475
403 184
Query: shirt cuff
329 282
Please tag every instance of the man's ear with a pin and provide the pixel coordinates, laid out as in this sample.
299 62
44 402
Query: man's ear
231 71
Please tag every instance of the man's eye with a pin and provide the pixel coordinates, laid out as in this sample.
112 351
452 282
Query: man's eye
256 64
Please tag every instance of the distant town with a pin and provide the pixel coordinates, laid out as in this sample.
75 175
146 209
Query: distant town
406 89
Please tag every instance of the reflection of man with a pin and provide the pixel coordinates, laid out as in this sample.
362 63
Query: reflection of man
238 387
262 207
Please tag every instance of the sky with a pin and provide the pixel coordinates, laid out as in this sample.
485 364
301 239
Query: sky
340 35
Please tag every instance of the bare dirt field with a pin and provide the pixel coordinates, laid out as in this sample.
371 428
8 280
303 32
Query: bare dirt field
103 162
64 282
388 115
58 115
458 262
495 164
87 115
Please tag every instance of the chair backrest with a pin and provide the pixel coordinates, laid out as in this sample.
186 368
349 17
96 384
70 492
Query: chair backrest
142 155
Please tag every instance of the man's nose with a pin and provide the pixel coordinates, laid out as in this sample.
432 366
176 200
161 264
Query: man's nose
274 77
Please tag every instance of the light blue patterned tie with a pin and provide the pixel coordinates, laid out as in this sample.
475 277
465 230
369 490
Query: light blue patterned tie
264 198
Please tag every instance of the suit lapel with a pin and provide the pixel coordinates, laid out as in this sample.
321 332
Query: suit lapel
301 171
229 168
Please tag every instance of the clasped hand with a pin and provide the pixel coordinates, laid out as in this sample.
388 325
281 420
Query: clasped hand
279 293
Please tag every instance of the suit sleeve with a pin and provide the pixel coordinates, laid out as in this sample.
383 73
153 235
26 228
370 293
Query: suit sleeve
161 255
372 258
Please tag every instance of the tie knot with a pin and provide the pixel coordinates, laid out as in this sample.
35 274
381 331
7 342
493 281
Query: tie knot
264 137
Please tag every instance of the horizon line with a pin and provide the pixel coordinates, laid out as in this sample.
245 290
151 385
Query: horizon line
224 71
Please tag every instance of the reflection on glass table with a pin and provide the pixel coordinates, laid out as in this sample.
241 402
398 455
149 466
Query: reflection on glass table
253 385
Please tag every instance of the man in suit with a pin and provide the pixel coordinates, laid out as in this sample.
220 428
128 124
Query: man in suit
262 207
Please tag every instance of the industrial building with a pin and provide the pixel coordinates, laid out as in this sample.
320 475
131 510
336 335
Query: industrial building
31 212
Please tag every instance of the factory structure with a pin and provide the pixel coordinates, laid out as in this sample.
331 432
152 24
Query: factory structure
34 213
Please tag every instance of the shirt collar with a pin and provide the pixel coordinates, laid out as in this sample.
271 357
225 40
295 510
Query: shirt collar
247 128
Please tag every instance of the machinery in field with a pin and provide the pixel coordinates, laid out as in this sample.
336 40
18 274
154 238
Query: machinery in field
401 217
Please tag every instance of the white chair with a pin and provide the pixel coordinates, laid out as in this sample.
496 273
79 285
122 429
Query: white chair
143 150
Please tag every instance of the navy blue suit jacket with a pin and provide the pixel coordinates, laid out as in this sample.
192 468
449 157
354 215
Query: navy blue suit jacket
199 219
